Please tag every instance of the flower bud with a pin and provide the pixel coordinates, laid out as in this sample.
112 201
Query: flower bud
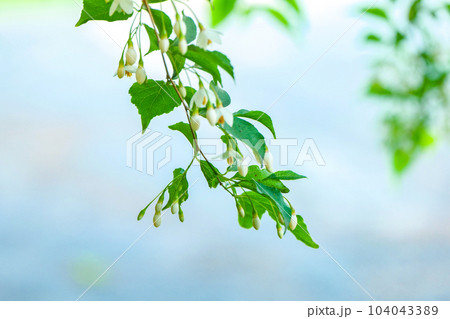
268 161
121 69
241 211
242 168
141 76
182 45
195 121
157 219
211 115
280 231
181 216
293 222
182 90
130 55
230 160
159 206
175 208
256 221
179 27
164 44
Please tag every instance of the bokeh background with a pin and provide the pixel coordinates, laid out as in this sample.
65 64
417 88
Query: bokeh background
68 203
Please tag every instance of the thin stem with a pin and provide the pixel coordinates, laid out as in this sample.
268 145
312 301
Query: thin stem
183 102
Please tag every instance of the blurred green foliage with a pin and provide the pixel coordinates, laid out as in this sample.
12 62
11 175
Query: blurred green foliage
287 13
412 73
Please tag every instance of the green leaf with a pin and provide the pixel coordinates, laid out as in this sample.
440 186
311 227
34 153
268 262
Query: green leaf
185 129
191 29
209 61
259 175
373 38
378 12
247 133
414 10
376 88
176 59
99 10
163 22
294 4
261 203
401 160
223 95
301 233
220 10
178 189
211 173
259 116
278 16
276 196
153 40
285 175
152 99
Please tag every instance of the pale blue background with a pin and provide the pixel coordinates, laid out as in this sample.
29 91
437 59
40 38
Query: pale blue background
68 203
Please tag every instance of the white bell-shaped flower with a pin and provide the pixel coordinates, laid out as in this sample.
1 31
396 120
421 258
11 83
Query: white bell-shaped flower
141 76
224 115
211 115
130 55
207 37
241 211
268 161
157 219
195 121
256 221
164 44
293 222
242 168
159 206
175 208
179 27
121 69
201 97
182 45
121 6
280 231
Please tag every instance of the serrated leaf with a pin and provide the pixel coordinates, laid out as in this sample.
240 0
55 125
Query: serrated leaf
191 29
247 133
285 175
211 173
378 12
259 116
220 10
153 40
209 61
184 129
152 99
99 10
223 95
178 189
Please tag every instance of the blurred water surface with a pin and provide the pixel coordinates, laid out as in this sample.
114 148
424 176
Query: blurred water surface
68 202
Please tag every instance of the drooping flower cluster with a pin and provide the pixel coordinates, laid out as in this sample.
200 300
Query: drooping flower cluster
209 101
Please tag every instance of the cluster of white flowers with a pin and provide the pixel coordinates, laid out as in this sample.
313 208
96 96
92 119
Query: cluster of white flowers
128 67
